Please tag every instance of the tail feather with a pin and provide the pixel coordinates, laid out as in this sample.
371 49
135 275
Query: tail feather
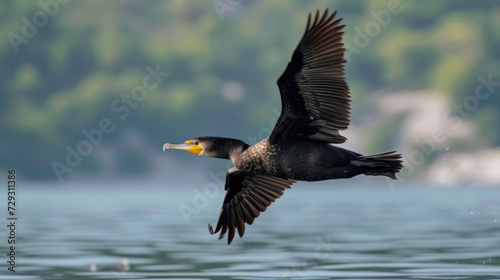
385 164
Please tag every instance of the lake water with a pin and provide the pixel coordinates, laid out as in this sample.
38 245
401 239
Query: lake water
315 231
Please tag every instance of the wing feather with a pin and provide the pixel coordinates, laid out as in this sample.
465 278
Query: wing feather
247 196
313 86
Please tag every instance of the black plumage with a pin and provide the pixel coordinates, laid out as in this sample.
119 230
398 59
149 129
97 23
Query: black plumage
315 108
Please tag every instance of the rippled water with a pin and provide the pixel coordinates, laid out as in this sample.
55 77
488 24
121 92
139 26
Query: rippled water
316 231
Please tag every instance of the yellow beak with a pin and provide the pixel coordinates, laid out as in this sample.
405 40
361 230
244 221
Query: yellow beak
186 146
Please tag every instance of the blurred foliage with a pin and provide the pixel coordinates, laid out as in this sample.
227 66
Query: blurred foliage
89 53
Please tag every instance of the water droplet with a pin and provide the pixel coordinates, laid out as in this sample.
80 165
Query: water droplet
471 213
448 148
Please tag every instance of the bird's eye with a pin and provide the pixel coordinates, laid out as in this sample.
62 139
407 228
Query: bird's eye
195 143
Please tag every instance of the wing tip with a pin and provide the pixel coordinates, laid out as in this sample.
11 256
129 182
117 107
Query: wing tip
308 22
321 19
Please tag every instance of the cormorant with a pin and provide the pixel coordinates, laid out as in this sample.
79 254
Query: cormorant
315 108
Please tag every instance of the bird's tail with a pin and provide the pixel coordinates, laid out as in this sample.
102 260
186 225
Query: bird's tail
386 164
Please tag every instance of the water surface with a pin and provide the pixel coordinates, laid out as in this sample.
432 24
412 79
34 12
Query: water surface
315 231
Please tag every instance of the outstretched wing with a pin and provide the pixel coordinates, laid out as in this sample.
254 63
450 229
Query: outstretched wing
314 94
247 196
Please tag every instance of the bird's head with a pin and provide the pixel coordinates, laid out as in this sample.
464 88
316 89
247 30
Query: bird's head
217 147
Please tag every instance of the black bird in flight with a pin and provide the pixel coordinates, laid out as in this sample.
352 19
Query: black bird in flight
315 108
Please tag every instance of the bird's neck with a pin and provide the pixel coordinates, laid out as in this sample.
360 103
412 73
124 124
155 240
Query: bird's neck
236 152
231 149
